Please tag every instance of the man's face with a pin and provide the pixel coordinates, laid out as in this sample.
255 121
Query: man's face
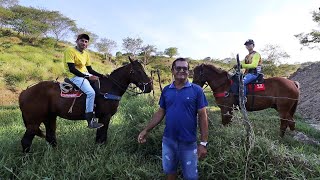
249 47
82 44
180 70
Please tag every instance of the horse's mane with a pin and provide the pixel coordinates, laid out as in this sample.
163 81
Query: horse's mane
118 69
213 68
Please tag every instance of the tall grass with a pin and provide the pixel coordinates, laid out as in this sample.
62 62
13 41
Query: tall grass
78 157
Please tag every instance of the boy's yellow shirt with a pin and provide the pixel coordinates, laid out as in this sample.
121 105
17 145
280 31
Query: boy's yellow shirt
80 60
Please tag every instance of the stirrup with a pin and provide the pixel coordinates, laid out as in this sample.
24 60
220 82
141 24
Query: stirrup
94 124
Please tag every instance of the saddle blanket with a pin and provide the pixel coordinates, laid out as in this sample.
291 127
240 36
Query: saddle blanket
71 94
256 87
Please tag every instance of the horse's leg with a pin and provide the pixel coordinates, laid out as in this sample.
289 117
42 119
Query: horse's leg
102 133
226 115
283 123
26 140
32 129
50 124
292 123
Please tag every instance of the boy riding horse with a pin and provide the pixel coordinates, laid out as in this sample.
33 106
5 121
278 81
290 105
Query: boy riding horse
78 67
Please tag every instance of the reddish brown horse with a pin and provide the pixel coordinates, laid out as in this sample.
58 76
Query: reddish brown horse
42 103
280 93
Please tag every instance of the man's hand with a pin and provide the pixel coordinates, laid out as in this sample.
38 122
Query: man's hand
93 78
202 152
142 136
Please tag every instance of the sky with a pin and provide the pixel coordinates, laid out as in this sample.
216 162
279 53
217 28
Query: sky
199 29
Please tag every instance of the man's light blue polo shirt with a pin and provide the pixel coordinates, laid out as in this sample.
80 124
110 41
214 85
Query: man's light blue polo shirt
181 106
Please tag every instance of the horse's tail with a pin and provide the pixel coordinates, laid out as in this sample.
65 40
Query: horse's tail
297 84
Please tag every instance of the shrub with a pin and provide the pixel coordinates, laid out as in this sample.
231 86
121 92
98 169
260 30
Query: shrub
47 42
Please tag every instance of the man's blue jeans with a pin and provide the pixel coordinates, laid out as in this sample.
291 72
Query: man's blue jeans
85 86
247 79
175 152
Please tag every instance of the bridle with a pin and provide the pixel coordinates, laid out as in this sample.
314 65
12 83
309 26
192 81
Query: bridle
216 94
130 91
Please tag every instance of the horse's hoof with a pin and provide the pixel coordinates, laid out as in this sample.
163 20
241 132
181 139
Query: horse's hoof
101 141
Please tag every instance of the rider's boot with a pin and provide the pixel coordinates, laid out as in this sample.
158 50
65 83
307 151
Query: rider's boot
92 124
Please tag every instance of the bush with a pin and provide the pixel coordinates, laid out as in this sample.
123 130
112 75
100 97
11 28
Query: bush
15 77
47 42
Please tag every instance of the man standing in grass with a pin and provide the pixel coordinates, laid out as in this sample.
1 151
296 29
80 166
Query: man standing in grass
181 102
78 67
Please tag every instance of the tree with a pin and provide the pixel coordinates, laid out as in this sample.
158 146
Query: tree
8 3
29 21
312 38
93 37
60 25
171 51
5 16
105 46
146 53
132 45
272 55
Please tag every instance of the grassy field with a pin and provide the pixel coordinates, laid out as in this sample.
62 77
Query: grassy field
78 157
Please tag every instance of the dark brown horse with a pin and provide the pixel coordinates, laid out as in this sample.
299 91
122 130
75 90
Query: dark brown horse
280 93
42 103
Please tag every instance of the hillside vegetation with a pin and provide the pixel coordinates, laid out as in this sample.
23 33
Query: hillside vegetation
23 64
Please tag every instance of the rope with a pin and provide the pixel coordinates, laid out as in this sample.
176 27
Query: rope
74 100
65 87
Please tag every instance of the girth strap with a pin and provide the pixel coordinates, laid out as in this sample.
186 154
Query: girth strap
111 97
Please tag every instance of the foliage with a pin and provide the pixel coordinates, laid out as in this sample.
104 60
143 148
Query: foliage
312 38
131 45
171 51
29 21
93 36
60 25
105 46
146 52
5 15
273 54
47 42
8 3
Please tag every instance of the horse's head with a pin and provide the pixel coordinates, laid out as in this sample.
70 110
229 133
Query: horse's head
214 76
139 77
198 75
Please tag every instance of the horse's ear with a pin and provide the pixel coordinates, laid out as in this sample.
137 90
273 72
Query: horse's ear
131 60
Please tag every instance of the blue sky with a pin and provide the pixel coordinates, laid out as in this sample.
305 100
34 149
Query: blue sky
198 29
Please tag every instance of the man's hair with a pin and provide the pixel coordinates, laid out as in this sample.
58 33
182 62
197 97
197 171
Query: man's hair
179 59
83 36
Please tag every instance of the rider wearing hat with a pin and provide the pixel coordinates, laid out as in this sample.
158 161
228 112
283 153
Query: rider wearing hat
251 64
78 67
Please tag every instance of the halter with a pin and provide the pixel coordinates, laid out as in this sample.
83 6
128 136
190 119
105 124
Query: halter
132 92
215 94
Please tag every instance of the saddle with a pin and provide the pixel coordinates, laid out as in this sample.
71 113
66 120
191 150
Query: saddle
69 90
256 85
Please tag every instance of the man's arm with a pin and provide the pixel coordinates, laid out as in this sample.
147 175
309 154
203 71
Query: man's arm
254 63
93 72
75 71
203 124
156 119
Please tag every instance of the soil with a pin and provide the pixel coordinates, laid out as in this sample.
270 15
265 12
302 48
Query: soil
309 103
